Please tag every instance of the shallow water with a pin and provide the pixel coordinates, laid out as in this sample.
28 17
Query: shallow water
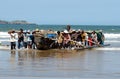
94 63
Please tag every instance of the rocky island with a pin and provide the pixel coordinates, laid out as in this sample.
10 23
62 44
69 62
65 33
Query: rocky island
15 22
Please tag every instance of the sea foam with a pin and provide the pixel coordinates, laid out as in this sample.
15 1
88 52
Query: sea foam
110 37
110 49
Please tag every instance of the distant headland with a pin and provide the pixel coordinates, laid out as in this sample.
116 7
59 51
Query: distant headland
15 22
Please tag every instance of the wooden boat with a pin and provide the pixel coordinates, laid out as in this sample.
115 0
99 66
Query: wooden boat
45 43
49 43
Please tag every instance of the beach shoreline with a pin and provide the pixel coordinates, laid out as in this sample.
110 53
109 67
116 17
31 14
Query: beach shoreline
84 64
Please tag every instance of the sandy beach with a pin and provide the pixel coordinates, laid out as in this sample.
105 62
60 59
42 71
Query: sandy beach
94 63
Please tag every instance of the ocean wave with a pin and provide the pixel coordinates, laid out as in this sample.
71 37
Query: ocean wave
112 35
107 35
4 35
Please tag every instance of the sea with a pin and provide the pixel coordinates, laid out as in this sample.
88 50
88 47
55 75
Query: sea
103 62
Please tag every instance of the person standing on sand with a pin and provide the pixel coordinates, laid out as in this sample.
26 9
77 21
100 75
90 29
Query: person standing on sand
12 40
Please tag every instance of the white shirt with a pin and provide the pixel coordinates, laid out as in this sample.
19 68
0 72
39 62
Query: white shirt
27 38
12 37
94 36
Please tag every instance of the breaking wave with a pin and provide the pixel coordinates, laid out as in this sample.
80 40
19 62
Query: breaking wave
110 37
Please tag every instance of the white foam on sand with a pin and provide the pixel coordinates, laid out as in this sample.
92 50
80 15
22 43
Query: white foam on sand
4 47
110 49
112 41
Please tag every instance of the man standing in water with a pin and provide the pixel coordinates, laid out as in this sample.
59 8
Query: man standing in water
12 40
20 39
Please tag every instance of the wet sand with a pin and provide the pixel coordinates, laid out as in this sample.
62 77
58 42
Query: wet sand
65 64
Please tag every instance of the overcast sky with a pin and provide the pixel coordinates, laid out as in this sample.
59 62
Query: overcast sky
62 11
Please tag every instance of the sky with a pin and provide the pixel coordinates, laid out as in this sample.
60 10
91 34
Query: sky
82 12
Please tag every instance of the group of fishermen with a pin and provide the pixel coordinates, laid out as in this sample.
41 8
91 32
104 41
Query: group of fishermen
80 38
61 39
25 39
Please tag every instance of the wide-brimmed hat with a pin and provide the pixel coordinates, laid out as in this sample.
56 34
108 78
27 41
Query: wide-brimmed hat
36 29
28 30
79 30
65 31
